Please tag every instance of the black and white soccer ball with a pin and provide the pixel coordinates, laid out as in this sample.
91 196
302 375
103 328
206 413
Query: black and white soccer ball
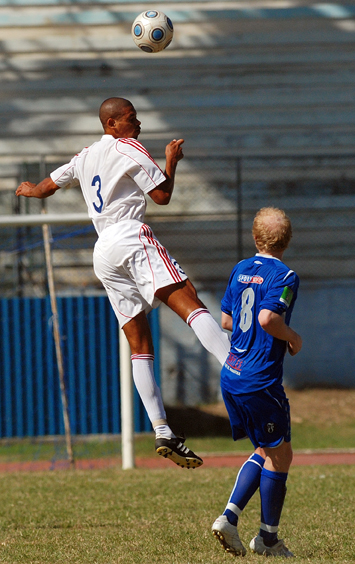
152 31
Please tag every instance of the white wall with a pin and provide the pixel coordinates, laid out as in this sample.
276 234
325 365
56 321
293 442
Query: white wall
324 315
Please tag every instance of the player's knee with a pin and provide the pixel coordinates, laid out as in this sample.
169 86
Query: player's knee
280 457
287 457
192 292
139 336
291 456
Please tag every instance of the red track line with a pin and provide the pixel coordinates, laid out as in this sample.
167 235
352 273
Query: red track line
210 461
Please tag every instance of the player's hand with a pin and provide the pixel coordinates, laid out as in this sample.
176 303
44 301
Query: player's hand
295 345
25 189
43 189
173 150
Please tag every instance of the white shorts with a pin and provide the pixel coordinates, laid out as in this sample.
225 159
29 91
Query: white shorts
132 265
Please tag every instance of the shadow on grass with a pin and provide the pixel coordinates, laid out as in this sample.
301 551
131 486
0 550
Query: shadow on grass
197 423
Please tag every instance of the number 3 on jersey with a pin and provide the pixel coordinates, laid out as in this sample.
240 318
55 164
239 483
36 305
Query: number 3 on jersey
97 181
246 315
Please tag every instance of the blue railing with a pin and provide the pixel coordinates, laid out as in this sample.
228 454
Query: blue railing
30 403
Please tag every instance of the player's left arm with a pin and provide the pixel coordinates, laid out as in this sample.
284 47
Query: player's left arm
41 190
161 195
274 324
276 309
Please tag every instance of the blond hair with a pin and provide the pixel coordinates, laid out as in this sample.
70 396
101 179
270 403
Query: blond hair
272 230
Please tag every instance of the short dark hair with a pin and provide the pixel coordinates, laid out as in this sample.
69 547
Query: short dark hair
112 108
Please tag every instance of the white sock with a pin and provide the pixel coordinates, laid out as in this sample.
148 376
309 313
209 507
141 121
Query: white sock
164 431
209 333
149 392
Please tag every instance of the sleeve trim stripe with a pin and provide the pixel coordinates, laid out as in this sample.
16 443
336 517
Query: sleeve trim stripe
289 273
137 145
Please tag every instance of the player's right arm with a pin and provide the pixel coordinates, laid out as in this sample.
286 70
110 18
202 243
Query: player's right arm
44 189
227 321
161 195
274 324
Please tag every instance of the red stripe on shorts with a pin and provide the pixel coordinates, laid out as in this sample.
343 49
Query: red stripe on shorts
148 233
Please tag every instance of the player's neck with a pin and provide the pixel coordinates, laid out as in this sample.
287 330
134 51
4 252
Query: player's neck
272 254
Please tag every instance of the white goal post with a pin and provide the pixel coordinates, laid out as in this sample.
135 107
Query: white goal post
38 219
126 384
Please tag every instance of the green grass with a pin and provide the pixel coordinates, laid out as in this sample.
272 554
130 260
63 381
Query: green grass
321 437
19 450
303 437
164 516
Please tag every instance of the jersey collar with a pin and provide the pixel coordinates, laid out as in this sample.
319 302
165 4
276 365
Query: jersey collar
267 256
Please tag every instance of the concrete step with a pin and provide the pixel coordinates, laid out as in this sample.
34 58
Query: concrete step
238 78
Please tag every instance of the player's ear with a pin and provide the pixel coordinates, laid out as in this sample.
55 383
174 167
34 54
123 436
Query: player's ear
110 122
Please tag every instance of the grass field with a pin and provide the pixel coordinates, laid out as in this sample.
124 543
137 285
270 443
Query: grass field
165 516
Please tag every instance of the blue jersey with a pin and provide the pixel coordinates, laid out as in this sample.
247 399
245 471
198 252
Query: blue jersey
256 358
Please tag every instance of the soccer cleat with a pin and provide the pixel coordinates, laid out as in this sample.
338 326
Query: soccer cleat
227 535
175 450
279 549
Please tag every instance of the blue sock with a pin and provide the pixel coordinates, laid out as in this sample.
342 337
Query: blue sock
246 484
272 494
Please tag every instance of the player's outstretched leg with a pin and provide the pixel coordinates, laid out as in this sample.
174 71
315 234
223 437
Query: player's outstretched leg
182 298
227 535
209 333
174 449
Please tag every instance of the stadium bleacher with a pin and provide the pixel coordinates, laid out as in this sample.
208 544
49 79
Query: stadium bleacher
245 77
241 80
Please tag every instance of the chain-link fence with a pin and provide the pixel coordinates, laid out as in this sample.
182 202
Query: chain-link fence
206 227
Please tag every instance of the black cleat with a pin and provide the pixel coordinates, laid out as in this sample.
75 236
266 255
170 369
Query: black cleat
175 450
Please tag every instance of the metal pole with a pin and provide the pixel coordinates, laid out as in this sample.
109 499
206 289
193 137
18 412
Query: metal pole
19 241
127 411
58 348
239 209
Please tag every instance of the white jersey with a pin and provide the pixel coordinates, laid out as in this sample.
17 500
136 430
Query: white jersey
114 176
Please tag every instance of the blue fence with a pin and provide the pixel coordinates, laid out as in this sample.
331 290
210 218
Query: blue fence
30 403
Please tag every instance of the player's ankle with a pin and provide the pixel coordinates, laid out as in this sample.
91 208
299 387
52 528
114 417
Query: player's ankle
164 431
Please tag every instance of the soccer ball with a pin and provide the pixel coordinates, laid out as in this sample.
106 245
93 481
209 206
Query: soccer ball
152 31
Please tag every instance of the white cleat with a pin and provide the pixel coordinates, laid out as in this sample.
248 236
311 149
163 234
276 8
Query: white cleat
227 535
279 549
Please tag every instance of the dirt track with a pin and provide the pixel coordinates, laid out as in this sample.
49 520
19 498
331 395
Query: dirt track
210 461
227 461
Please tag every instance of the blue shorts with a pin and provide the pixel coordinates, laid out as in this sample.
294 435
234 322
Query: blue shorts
263 416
